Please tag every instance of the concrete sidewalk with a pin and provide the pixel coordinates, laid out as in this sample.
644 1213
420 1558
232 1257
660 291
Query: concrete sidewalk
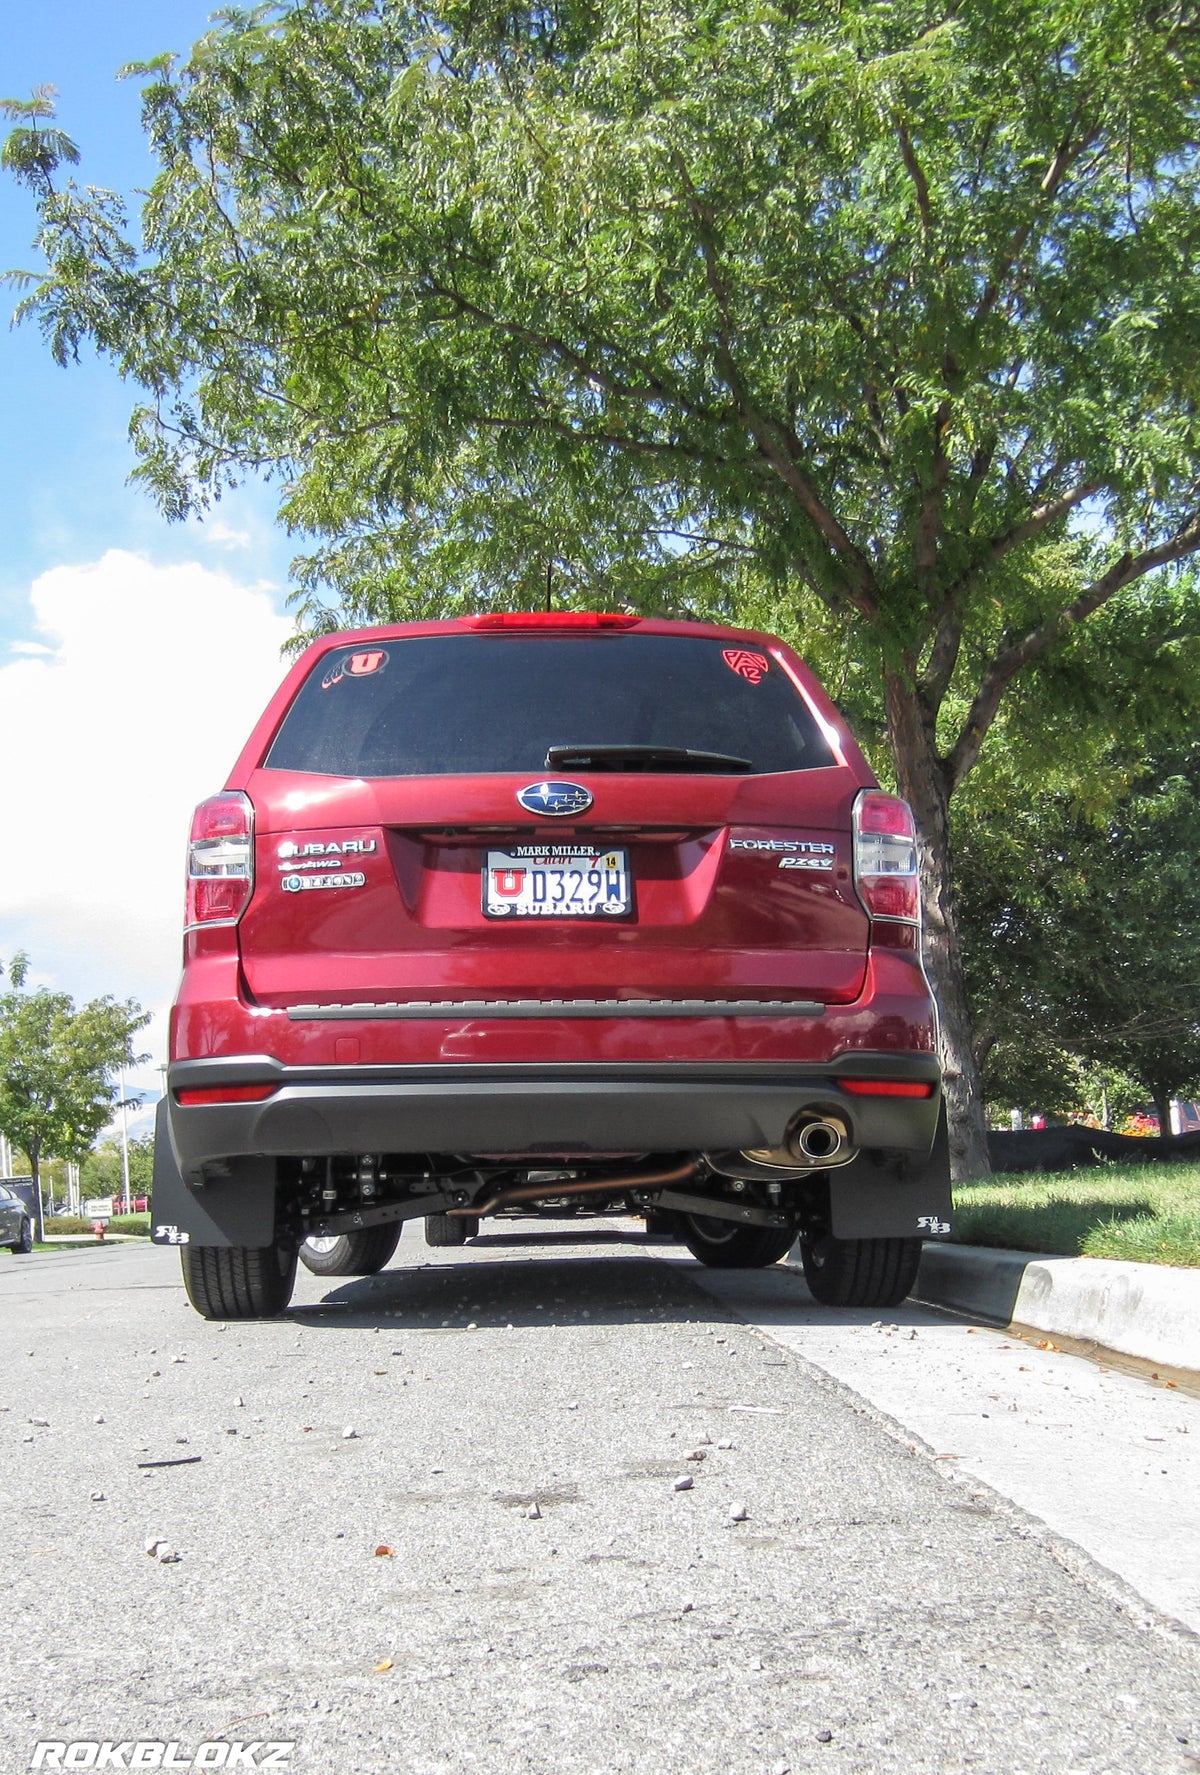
1147 1311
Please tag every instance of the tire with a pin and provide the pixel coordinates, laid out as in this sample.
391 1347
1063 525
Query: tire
860 1272
725 1246
450 1229
238 1281
351 1254
24 1244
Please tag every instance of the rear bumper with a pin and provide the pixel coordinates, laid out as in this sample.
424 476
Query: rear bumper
524 1110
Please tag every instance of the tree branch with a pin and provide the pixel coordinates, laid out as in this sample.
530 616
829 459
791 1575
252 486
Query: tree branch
920 182
779 446
1064 158
994 551
929 517
1004 667
698 539
934 681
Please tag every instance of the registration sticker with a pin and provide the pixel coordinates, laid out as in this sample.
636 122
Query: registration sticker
556 881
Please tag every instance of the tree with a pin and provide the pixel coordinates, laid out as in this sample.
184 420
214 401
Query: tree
875 309
1088 959
1075 844
103 1172
55 1063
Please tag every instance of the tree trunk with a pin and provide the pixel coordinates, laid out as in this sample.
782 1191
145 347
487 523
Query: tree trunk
921 779
1162 1105
39 1227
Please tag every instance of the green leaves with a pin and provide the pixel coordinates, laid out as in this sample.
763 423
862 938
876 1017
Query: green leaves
36 148
1075 860
55 1063
870 290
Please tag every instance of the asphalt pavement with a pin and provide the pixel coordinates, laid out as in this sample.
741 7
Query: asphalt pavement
436 1525
1108 1459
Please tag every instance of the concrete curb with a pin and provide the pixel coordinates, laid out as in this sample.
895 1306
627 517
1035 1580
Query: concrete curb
1144 1310
91 1239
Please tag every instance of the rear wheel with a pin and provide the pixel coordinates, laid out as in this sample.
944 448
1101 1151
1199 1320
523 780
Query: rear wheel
860 1272
450 1229
359 1253
24 1244
723 1245
238 1281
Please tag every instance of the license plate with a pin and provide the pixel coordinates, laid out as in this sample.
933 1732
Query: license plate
556 881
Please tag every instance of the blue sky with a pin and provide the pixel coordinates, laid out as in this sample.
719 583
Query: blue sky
64 455
134 654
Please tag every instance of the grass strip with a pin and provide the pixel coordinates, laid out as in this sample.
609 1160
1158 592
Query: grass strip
1136 1213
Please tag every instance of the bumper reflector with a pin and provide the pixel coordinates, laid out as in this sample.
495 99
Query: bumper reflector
886 1088
224 1094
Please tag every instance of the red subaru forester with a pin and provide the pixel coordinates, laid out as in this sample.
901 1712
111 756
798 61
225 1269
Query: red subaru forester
540 913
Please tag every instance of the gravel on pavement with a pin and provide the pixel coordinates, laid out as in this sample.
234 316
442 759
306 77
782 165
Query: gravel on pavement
434 1527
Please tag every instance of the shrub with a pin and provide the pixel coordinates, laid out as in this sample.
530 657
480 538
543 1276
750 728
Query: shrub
130 1223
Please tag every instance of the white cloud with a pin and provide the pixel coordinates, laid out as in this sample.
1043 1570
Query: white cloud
151 680
215 530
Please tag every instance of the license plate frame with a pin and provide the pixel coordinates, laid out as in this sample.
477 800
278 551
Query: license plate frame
556 881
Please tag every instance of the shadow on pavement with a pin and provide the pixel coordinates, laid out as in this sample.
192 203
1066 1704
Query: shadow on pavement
612 1285
542 1289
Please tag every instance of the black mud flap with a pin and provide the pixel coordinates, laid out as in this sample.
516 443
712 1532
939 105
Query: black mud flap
904 1200
234 1210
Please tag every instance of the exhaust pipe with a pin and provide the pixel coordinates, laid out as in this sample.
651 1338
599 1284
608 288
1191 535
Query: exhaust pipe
580 1186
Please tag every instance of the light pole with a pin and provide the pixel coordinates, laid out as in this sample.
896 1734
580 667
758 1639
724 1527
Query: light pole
124 1138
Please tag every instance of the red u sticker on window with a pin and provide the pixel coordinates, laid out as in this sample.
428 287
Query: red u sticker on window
751 666
355 665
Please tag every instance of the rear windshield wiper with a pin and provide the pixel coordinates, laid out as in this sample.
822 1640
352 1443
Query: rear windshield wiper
665 758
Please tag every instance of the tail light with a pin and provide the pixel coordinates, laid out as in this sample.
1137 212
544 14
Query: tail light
220 860
885 857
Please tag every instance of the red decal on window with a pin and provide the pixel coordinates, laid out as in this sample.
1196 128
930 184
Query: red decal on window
751 666
355 665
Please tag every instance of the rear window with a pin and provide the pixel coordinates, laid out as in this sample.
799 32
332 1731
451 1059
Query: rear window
459 704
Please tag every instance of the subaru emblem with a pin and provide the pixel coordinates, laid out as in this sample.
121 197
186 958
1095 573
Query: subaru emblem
555 798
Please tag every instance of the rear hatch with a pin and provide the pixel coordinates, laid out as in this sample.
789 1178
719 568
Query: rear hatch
622 814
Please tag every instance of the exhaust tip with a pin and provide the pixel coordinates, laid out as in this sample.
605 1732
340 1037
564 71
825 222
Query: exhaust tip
819 1141
812 1143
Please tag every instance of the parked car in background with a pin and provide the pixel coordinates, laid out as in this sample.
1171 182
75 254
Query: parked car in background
16 1223
533 913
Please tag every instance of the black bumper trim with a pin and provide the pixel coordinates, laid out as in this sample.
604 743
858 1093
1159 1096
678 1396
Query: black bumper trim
317 1112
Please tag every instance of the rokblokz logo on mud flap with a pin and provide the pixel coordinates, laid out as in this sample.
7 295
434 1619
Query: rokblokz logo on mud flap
158 1753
